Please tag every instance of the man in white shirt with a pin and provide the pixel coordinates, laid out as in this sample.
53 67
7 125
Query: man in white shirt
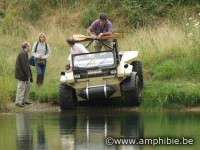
76 48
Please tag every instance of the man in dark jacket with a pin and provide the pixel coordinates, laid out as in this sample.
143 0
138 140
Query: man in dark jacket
23 75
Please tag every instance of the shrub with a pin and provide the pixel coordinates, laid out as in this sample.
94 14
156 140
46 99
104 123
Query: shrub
2 13
89 15
32 10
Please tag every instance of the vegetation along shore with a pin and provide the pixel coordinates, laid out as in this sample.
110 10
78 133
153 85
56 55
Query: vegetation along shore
166 33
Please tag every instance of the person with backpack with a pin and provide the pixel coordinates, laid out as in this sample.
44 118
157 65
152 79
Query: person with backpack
41 51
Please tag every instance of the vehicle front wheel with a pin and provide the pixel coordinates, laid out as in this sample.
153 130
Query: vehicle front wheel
67 97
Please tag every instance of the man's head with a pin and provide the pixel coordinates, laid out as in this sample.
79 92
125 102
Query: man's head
70 41
26 46
102 19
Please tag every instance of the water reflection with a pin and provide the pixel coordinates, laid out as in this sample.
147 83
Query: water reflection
24 135
24 139
89 130
67 130
41 141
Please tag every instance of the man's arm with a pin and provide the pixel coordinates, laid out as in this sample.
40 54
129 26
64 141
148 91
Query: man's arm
90 30
109 32
101 35
24 64
92 34
105 33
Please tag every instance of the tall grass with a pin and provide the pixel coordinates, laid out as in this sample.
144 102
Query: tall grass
169 52
171 94
6 84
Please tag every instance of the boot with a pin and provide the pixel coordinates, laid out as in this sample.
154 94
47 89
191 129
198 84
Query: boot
38 80
42 79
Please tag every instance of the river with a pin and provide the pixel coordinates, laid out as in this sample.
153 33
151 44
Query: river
98 129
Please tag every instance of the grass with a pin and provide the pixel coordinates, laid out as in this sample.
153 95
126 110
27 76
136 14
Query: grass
169 52
170 94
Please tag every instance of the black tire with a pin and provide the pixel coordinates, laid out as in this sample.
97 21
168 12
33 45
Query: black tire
132 98
67 97
137 67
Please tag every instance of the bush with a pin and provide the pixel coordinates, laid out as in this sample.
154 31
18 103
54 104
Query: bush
55 3
134 12
32 10
89 15
2 13
143 12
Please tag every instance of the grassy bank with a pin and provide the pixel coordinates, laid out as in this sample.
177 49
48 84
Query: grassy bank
168 49
170 95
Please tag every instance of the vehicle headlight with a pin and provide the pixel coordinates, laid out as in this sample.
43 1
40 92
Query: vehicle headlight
63 78
77 76
113 71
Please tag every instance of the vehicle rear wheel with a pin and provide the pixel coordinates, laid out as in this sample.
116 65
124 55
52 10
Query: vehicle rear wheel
67 97
133 97
137 67
131 91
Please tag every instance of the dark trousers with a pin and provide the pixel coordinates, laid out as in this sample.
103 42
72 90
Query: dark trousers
40 68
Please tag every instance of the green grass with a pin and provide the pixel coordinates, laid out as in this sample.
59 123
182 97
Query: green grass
169 51
170 94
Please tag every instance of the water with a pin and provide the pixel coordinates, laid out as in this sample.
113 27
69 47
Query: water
88 129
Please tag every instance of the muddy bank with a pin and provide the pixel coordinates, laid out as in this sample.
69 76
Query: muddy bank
51 107
192 109
34 107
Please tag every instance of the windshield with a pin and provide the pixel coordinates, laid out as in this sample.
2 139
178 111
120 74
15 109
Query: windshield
102 59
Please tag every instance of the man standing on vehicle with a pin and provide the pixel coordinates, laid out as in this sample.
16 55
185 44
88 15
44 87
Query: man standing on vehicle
23 75
98 29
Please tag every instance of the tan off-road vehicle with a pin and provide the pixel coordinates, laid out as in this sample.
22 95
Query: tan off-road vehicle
102 75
